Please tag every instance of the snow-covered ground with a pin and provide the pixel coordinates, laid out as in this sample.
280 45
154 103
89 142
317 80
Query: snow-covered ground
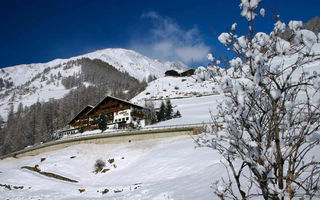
176 87
158 169
193 110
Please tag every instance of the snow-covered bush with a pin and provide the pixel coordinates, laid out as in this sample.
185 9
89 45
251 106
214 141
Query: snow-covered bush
267 126
99 165
203 74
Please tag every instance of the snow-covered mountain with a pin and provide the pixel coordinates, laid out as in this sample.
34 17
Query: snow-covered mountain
29 83
175 88
137 65
201 83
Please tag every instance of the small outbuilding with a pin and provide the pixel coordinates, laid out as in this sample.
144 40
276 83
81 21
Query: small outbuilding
172 73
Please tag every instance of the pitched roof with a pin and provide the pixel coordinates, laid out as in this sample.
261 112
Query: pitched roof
114 98
85 111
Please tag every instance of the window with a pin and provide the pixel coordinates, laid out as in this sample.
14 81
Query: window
123 119
127 118
134 119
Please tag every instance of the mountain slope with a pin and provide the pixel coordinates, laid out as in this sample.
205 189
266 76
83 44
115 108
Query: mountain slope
29 83
134 63
168 168
175 88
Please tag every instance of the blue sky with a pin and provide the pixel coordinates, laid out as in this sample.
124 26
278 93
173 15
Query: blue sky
35 31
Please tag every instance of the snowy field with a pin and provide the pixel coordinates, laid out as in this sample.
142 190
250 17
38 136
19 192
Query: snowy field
193 110
159 169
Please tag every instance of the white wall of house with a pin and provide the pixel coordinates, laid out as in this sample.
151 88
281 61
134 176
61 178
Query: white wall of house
125 116
122 116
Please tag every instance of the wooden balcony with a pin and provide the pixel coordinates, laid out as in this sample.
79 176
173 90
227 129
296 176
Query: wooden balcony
111 110
95 121
136 113
80 123
109 105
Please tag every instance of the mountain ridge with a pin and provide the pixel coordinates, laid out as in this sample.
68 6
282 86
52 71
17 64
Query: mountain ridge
114 56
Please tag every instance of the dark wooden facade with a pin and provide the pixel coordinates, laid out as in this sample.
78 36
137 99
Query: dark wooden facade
189 72
82 119
174 73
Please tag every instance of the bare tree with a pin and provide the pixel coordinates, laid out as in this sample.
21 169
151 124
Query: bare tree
149 112
267 127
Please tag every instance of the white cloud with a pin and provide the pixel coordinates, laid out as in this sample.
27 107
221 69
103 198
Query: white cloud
150 14
192 53
162 46
169 42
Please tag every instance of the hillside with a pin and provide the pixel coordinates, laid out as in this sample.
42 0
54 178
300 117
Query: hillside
158 169
176 87
30 83
201 83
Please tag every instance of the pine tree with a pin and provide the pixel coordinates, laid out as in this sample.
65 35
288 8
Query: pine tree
168 110
102 121
161 113
81 129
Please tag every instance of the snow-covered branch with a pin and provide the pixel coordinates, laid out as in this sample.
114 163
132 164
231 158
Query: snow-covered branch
268 125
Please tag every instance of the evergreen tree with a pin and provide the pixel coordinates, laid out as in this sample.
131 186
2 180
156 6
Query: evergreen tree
102 121
168 110
161 113
81 129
